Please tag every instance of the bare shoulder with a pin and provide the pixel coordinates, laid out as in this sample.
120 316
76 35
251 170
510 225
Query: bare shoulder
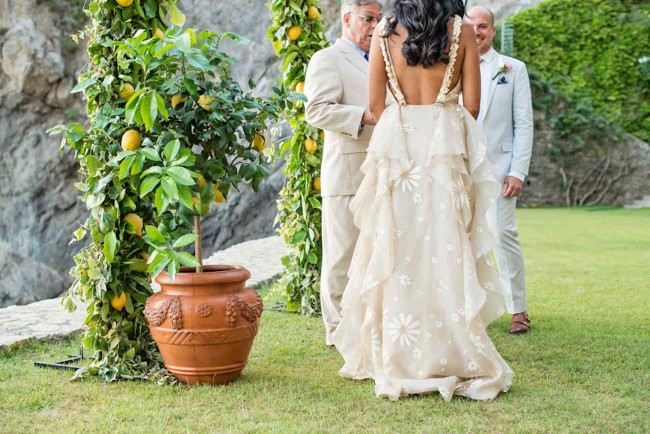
467 32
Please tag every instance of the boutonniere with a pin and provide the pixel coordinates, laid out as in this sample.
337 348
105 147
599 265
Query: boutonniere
503 68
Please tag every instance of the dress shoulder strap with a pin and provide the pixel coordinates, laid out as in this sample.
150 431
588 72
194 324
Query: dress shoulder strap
388 62
453 52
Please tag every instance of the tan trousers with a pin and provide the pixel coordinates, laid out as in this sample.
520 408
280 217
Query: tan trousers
339 238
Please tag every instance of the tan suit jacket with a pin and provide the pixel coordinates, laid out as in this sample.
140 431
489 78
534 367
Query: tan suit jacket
336 87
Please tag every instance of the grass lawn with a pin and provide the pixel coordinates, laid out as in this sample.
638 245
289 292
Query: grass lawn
585 367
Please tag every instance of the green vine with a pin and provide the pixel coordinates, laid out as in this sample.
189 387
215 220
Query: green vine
595 56
169 133
297 32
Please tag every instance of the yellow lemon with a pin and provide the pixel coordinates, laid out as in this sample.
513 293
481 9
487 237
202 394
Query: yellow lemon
218 195
118 303
259 142
135 221
126 91
176 100
204 102
196 201
313 13
124 3
317 184
321 134
311 145
300 87
294 33
131 140
159 34
201 181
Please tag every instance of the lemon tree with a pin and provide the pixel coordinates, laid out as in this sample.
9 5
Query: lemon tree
169 134
297 32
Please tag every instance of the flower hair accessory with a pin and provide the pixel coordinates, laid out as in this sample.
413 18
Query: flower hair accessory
503 67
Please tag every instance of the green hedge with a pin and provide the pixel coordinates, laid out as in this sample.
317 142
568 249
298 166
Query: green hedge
590 51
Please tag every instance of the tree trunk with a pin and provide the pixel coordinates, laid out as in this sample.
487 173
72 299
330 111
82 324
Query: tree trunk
198 244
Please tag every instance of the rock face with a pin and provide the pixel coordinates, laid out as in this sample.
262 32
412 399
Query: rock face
38 205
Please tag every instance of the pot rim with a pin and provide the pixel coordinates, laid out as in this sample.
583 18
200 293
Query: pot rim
211 274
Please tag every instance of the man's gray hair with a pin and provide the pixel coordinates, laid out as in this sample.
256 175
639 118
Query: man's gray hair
350 6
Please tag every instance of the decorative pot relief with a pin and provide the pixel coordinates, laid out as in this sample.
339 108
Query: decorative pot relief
205 323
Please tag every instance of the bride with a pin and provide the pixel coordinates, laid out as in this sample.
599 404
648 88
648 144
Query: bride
422 286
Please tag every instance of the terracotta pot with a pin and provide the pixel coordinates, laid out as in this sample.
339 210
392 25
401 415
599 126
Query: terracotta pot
204 323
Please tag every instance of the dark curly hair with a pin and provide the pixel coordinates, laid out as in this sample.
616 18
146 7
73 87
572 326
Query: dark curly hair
426 23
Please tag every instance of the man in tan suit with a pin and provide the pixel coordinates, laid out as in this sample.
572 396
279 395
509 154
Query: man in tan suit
336 87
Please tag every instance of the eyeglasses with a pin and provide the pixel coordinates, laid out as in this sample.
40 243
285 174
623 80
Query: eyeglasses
368 18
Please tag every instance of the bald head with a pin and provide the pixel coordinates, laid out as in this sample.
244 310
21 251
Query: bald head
481 10
482 20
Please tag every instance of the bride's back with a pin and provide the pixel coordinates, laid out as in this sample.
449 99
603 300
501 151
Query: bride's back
420 85
420 65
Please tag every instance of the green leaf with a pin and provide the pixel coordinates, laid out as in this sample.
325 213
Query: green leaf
172 269
160 201
183 43
312 258
156 268
148 185
153 169
154 233
132 107
161 106
105 309
181 175
110 244
79 233
298 237
83 85
177 17
170 188
162 50
150 154
171 149
188 260
125 166
93 163
190 86
149 110
138 164
185 197
94 201
185 240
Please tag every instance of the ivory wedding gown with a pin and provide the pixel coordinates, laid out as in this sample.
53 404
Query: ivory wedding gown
422 288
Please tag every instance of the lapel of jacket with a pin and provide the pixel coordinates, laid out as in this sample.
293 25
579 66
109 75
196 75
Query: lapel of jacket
352 56
494 66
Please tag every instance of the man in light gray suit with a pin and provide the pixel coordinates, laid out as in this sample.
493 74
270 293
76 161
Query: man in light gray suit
506 116
336 87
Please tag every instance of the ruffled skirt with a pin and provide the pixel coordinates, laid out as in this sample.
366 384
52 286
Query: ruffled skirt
422 286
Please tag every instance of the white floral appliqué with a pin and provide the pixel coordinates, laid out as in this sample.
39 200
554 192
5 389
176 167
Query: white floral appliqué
404 329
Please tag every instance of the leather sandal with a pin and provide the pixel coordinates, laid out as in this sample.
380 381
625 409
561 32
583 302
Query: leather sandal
520 323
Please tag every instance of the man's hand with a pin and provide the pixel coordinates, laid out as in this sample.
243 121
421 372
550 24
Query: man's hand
511 187
368 118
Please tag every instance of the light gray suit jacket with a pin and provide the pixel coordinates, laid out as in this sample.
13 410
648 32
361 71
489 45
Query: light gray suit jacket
336 87
507 118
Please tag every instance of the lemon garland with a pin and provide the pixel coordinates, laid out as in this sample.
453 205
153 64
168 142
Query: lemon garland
297 32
